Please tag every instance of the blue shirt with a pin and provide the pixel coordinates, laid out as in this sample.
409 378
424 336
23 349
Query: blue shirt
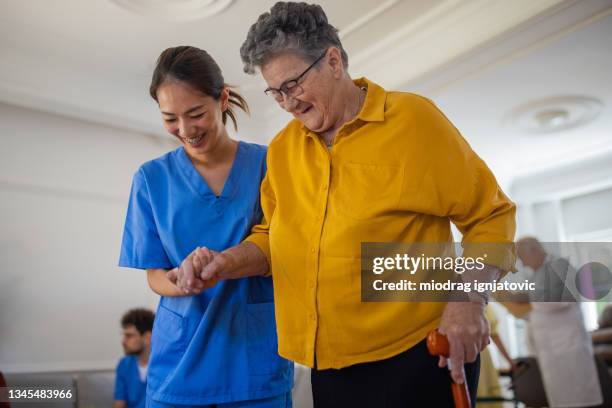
128 386
219 346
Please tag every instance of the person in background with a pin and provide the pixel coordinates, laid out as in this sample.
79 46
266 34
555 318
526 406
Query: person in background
489 385
131 373
559 338
213 345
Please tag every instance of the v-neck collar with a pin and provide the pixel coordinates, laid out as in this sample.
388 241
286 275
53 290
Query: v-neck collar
197 182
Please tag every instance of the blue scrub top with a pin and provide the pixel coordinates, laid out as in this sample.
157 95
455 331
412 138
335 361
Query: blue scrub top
219 346
128 386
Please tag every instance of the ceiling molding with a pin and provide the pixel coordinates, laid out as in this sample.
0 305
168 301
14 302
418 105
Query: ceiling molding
177 10
45 102
362 21
532 35
553 114
432 38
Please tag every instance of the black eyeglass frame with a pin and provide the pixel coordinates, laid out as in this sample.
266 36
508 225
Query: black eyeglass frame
290 86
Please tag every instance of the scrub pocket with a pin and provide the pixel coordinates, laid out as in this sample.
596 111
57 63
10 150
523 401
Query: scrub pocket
168 333
262 341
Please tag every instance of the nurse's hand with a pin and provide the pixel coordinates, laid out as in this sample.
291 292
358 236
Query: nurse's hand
202 258
187 278
467 330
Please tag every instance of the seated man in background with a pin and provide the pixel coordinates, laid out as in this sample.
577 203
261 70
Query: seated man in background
131 379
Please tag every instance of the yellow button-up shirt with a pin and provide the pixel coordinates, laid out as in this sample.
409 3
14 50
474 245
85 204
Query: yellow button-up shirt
399 172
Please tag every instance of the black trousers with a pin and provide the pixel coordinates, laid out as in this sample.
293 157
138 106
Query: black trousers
409 379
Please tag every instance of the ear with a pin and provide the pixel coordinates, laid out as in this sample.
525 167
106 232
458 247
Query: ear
224 98
334 61
147 338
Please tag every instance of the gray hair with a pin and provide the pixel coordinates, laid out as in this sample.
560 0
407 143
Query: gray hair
299 27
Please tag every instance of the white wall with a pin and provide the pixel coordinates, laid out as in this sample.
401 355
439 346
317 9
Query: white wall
64 186
569 203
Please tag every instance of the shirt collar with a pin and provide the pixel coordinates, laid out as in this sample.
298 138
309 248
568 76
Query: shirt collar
373 109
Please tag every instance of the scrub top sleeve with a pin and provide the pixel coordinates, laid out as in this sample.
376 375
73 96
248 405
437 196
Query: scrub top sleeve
141 247
120 383
259 233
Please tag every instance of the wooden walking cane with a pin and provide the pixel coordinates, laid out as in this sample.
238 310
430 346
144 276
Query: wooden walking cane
437 344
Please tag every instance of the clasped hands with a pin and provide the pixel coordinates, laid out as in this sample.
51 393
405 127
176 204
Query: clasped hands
463 323
201 270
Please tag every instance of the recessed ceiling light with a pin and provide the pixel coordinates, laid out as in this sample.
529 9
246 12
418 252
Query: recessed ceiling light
554 114
175 10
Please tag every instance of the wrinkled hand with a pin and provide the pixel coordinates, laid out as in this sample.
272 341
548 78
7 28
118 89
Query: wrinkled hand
467 330
220 267
187 276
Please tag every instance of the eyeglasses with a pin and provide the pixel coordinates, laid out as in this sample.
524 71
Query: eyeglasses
291 87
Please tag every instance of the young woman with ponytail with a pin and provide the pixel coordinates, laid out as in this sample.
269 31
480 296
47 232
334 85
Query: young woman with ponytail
216 345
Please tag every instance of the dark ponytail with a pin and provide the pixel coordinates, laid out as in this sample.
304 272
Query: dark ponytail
197 68
235 99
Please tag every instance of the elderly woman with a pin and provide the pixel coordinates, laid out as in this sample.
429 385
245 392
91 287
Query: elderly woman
360 164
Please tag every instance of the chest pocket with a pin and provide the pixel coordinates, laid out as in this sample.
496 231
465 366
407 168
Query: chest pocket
364 191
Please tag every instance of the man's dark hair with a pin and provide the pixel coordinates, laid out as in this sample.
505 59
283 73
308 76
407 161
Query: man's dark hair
140 318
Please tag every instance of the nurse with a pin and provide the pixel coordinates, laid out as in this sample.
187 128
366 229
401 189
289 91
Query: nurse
216 345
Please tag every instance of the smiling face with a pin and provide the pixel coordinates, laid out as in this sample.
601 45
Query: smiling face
314 106
194 118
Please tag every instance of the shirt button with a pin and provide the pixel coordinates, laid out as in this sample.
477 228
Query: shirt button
313 250
312 316
311 284
324 187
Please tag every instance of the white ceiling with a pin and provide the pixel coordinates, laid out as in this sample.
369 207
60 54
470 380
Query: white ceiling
477 59
566 54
